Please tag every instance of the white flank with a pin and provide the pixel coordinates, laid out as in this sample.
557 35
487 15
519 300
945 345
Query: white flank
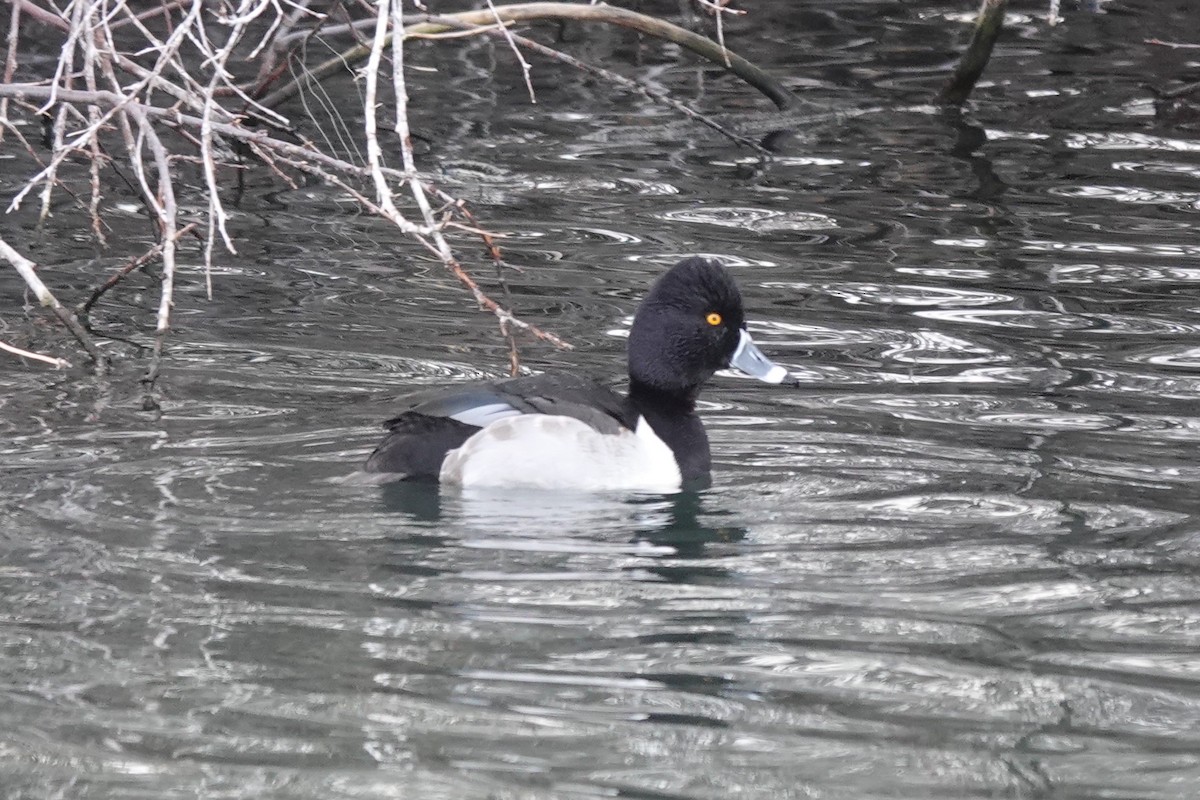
551 452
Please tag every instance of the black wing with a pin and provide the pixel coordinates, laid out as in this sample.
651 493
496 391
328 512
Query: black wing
440 421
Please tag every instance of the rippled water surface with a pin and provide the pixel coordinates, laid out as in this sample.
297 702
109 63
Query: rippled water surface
962 560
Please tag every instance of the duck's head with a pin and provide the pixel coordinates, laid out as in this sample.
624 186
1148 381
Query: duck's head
690 325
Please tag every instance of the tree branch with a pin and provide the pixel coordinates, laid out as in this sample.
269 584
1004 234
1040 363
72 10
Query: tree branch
756 77
26 269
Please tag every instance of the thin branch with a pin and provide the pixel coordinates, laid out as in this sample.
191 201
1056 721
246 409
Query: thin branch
145 258
59 363
642 23
383 193
970 67
94 57
216 210
27 270
10 61
174 117
656 95
455 268
1172 45
41 15
270 68
162 200
91 57
163 10
525 68
718 8
441 246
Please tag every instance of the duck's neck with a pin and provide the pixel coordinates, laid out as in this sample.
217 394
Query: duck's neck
673 418
642 394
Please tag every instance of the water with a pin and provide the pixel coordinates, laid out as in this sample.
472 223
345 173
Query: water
960 561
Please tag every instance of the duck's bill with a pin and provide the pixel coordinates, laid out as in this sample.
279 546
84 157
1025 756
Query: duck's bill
750 360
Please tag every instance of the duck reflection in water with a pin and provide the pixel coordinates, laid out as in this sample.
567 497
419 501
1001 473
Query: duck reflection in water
673 526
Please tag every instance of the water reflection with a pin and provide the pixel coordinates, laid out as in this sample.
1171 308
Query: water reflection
536 520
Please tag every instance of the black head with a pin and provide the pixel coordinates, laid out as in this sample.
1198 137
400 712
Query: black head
687 328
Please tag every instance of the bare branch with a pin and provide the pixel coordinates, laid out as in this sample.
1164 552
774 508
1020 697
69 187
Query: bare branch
176 118
40 15
27 270
177 105
145 258
612 77
10 61
524 12
970 67
525 68
51 360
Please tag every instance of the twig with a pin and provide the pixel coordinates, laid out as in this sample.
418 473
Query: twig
16 351
10 61
717 8
92 59
175 117
162 201
514 356
970 67
1173 45
525 68
50 174
216 210
642 23
26 269
455 268
620 80
41 15
163 10
137 263
383 193
440 245
270 68
61 148
493 251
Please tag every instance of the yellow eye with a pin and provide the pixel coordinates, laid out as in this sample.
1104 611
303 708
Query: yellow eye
713 318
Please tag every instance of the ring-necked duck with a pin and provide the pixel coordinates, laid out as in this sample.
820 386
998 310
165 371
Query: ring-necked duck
564 431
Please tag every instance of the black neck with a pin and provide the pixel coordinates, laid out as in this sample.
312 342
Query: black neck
643 394
673 419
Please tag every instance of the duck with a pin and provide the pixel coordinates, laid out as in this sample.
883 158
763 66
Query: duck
567 431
